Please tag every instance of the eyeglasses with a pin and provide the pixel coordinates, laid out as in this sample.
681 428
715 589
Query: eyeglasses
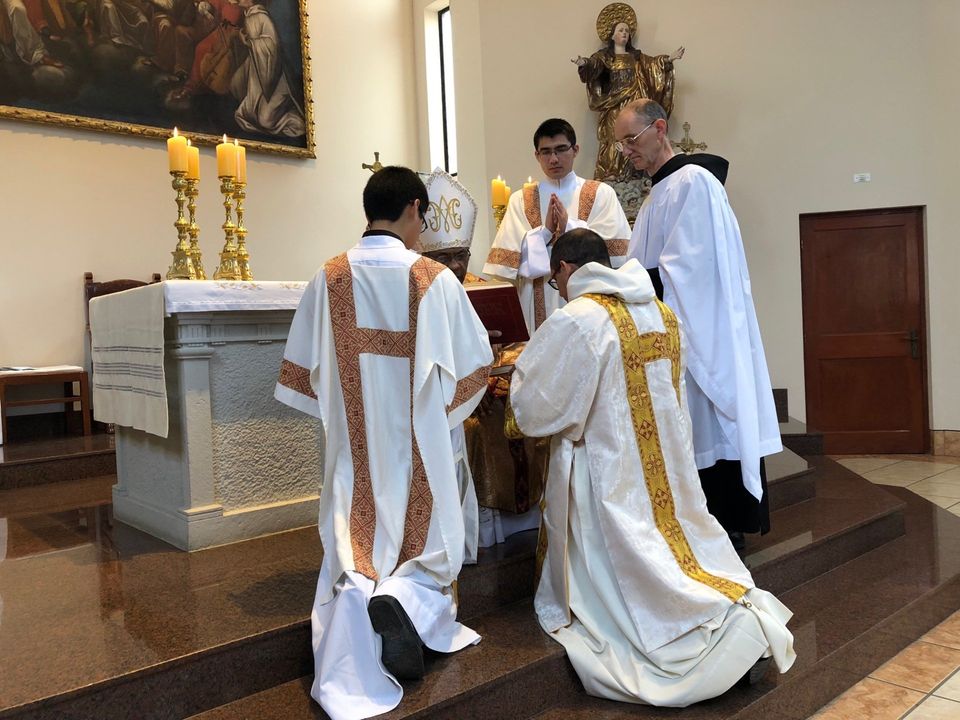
558 150
552 282
621 145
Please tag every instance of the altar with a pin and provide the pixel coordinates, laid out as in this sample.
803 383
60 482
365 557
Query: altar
186 372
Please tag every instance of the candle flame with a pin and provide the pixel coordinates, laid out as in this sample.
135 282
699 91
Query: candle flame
529 178
175 132
189 142
224 137
499 178
236 142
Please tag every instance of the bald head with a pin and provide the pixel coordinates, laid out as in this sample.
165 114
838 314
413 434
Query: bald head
641 133
646 110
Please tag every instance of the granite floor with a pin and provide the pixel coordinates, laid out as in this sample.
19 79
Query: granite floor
923 681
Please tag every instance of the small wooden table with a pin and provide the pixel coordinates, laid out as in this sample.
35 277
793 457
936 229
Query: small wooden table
68 375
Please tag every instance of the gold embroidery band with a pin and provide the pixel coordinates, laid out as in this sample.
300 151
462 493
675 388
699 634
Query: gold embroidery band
588 195
468 387
617 248
350 342
505 258
638 350
297 378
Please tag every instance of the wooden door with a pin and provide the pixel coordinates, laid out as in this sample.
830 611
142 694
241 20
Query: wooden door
864 330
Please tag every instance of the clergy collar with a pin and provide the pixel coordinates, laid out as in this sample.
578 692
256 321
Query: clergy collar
567 182
380 238
714 163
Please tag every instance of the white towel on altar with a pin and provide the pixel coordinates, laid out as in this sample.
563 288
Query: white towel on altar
129 387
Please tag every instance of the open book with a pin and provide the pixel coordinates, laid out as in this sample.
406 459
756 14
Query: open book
498 307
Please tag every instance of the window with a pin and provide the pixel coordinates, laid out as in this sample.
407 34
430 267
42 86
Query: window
441 99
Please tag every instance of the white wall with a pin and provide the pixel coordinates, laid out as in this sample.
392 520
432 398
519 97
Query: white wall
75 201
797 94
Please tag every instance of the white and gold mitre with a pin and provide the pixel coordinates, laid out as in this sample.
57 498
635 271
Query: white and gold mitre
451 215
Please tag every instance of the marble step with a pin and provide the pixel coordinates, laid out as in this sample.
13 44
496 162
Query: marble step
789 479
801 439
101 620
470 683
40 462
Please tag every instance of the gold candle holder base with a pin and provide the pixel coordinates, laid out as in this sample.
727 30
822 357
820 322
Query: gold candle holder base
229 268
243 257
182 267
499 212
196 257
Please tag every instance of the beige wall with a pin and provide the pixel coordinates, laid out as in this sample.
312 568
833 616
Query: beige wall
798 95
75 201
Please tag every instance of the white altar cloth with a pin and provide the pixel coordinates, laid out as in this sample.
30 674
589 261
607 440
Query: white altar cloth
127 344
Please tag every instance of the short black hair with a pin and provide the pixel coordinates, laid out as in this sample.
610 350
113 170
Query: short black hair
552 127
579 246
389 191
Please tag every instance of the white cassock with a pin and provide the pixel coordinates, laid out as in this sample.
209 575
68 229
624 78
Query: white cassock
640 583
386 350
266 104
521 249
687 229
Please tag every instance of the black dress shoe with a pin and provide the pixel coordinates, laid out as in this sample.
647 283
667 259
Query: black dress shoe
756 673
402 653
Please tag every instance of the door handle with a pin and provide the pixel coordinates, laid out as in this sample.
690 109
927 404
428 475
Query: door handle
913 337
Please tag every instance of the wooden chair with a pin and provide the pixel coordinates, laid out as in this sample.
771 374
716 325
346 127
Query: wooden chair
64 375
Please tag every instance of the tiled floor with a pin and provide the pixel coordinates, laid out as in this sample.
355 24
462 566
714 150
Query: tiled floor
923 681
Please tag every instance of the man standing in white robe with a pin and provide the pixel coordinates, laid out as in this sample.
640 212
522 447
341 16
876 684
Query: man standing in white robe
687 237
541 212
386 350
640 583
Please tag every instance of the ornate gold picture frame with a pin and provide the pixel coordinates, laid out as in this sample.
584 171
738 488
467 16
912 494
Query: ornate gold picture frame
141 67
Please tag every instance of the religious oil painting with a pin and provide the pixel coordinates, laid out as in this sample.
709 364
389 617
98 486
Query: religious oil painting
208 67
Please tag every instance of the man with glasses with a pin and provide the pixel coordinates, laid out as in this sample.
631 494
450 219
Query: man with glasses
687 237
639 584
543 211
387 351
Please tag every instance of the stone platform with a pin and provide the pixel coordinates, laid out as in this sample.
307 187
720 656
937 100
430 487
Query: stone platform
103 621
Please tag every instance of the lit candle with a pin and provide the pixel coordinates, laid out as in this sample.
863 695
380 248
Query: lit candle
177 152
529 183
241 161
226 159
193 162
498 191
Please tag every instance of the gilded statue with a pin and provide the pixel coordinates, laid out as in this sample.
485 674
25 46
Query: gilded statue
618 74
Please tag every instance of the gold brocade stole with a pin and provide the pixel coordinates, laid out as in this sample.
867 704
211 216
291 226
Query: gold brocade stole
531 205
350 342
638 350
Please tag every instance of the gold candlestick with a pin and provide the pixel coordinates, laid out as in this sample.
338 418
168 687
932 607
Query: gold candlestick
196 257
228 269
243 257
182 266
499 211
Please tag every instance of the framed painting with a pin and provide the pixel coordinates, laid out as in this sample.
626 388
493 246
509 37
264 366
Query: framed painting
141 67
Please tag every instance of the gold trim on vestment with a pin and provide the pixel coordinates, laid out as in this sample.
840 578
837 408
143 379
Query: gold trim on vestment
350 341
637 351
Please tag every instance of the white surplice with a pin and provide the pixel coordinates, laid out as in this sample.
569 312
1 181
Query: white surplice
638 625
687 228
450 366
521 250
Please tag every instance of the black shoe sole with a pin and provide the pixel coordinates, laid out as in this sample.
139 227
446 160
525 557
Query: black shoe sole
402 652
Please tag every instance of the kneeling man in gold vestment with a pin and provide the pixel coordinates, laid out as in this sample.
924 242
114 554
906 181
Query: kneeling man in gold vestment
640 583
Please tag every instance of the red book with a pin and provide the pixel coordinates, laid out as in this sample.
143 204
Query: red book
498 306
